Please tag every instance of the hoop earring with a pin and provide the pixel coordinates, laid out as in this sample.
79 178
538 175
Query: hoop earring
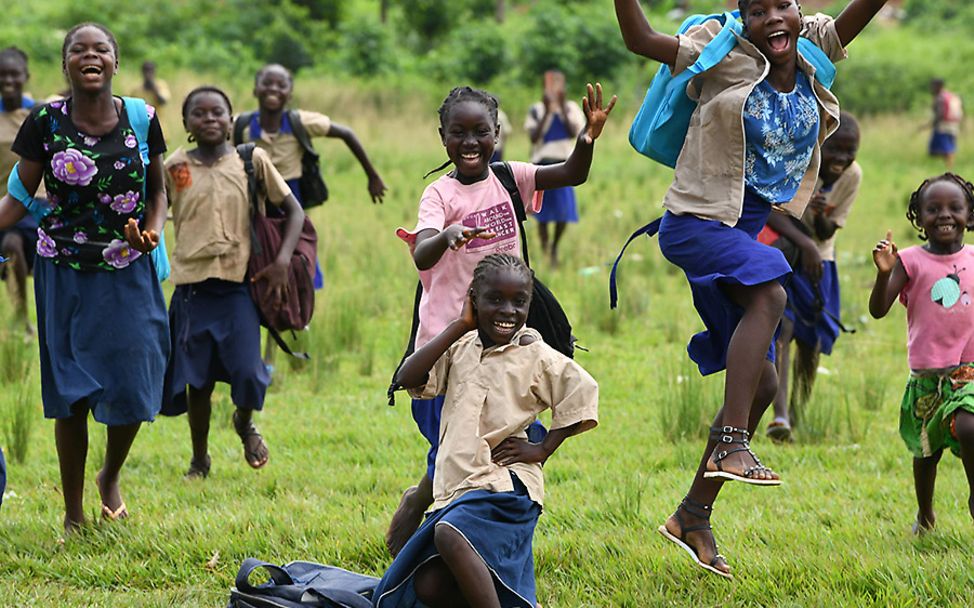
190 138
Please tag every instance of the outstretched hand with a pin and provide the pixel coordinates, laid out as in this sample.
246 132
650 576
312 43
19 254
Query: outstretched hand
513 450
377 188
143 241
459 235
594 112
885 253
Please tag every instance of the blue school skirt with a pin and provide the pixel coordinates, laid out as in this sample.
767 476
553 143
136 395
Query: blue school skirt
713 254
500 528
427 413
103 339
942 143
215 338
807 308
558 205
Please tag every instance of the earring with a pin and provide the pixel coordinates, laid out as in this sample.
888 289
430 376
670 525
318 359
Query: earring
190 138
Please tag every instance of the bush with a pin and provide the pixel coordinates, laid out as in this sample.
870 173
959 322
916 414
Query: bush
366 48
474 53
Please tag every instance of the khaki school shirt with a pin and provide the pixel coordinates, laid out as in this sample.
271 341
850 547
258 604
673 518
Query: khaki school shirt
838 204
9 126
557 149
284 148
211 213
494 394
709 177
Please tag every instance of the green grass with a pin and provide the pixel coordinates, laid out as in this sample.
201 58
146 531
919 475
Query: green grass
836 532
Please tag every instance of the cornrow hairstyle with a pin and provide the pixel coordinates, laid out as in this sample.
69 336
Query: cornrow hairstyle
273 66
459 95
12 52
913 211
493 263
104 30
206 89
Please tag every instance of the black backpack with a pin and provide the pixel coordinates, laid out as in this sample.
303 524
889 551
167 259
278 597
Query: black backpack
545 315
301 585
311 184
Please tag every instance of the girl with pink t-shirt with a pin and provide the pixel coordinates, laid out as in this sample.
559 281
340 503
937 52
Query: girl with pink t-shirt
464 216
934 282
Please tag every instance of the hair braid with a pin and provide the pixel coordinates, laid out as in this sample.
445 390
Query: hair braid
494 262
913 210
459 95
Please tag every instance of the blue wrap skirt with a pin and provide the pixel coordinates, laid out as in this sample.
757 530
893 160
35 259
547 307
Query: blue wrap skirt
815 312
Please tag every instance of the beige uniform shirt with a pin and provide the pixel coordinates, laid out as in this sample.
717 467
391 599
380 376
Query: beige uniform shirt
559 149
709 178
494 394
284 148
211 214
838 203
9 126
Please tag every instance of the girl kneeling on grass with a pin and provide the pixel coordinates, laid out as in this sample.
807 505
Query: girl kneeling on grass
753 141
496 375
935 282
213 319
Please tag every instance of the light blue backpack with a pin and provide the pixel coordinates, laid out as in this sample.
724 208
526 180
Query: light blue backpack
660 126
138 116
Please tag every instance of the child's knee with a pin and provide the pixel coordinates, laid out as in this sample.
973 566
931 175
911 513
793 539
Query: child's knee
430 583
964 427
774 297
448 541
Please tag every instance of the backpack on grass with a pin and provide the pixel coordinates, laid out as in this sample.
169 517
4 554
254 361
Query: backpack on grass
311 185
545 315
301 585
266 238
660 126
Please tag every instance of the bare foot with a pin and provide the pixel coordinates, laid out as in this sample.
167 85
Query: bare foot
112 505
72 527
701 542
405 521
924 523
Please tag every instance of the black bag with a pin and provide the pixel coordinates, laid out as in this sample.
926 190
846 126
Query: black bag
311 184
301 585
545 315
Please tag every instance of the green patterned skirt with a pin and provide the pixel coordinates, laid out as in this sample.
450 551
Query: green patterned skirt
928 408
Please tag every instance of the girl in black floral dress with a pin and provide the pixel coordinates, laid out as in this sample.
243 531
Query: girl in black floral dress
102 324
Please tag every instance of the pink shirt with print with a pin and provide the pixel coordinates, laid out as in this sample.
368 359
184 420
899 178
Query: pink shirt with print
939 300
486 204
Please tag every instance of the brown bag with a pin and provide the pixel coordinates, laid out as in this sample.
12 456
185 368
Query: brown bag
267 235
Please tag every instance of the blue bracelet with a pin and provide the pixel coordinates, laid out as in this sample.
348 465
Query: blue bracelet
15 187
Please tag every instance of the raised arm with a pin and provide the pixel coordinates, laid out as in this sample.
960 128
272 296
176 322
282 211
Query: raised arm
640 37
376 186
416 368
574 171
854 18
890 277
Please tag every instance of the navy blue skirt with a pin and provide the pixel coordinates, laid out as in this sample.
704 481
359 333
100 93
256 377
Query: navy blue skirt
558 205
711 255
215 338
942 143
103 339
500 528
814 312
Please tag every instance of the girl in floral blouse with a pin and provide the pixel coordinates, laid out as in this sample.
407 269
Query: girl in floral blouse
101 318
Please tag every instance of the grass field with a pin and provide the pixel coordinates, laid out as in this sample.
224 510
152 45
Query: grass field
837 533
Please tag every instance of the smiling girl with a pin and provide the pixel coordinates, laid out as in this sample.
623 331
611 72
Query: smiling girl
101 318
754 141
464 216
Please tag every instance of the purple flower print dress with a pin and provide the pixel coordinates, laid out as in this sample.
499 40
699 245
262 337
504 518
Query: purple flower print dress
101 318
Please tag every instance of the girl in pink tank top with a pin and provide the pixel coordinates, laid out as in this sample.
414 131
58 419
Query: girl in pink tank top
935 282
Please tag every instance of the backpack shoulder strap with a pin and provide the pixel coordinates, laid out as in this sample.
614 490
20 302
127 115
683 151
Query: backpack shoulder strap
138 115
239 125
824 68
246 153
300 133
505 175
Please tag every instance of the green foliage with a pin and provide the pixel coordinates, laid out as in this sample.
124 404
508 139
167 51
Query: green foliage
427 20
366 48
474 53
941 13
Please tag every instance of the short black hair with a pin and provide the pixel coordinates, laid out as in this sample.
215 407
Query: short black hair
847 124
12 52
913 210
206 89
81 26
273 66
494 262
461 94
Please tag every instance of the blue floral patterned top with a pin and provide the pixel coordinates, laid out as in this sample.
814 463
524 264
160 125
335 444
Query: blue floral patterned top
780 130
94 186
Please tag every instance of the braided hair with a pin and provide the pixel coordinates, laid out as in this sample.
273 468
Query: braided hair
104 30
460 95
913 211
494 262
206 89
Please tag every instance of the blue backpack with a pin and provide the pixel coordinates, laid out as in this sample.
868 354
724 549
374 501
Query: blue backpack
660 126
138 116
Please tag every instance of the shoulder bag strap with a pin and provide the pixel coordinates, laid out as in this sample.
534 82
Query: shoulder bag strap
505 174
277 574
238 127
300 133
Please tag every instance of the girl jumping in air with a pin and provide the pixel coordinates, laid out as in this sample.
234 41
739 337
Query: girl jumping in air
101 319
754 141
495 376
213 319
934 281
464 216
